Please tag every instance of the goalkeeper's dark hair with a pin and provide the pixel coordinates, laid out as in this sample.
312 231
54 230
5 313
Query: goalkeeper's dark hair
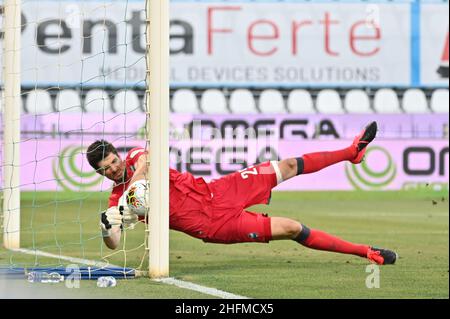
98 151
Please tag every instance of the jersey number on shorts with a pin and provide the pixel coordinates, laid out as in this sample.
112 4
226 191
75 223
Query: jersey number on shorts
248 171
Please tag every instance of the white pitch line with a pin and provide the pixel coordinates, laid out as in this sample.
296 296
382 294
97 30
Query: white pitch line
206 290
168 281
68 258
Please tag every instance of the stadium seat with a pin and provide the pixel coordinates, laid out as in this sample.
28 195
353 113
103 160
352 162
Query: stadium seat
185 101
415 101
300 101
329 102
357 102
271 101
213 102
68 101
439 101
97 101
126 101
242 102
386 101
38 101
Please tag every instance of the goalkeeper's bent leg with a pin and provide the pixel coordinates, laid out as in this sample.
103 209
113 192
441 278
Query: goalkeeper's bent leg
285 228
313 162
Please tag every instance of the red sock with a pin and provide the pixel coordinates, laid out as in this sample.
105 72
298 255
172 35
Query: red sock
314 162
322 241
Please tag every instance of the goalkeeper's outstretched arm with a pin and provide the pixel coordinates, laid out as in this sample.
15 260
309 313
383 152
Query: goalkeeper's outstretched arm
113 221
141 169
111 225
113 240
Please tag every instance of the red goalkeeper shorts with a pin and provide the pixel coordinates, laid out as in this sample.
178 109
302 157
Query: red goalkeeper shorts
232 194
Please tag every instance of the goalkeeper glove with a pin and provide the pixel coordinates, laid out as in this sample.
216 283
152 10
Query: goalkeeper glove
109 219
129 218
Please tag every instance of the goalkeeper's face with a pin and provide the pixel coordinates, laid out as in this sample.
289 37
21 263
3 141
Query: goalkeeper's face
112 167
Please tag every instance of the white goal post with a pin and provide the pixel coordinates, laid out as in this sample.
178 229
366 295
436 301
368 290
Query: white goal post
11 123
158 134
157 126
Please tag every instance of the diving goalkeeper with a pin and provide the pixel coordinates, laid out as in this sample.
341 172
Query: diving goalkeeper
216 212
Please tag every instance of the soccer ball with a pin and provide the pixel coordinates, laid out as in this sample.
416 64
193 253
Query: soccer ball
136 197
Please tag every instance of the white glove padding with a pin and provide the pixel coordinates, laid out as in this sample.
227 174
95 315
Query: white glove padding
129 218
110 218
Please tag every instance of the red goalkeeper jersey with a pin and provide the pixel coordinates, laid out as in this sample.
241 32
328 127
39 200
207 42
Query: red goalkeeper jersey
189 197
214 212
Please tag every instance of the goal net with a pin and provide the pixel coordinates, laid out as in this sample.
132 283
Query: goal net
80 76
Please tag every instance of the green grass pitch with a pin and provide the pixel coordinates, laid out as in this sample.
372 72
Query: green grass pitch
415 224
